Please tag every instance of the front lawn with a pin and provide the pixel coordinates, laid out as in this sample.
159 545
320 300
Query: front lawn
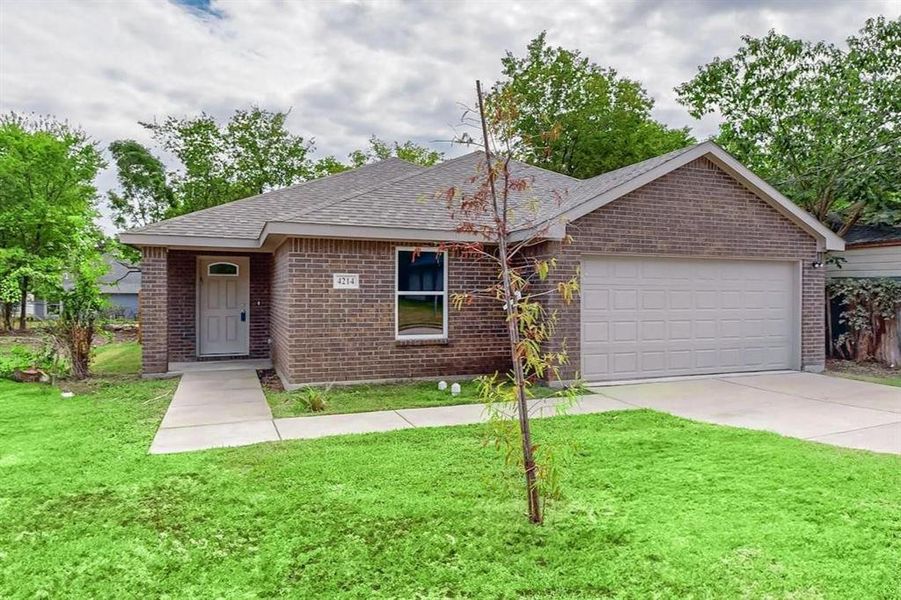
387 396
117 358
654 506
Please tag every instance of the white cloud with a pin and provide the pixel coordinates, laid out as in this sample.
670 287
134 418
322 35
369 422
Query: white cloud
395 69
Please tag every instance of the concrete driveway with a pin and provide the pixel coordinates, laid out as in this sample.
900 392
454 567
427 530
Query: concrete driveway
820 408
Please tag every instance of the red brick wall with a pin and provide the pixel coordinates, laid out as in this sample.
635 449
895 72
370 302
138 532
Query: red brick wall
321 334
697 210
153 312
182 304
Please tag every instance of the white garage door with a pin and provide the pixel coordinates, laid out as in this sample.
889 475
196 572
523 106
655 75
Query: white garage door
661 317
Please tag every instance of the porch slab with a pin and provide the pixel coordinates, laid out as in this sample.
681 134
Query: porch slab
180 368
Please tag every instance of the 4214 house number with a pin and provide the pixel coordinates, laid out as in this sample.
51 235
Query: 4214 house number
345 281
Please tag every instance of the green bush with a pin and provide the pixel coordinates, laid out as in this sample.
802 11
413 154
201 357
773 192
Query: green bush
869 309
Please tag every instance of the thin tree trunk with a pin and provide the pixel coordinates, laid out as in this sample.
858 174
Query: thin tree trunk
513 335
7 316
24 300
829 351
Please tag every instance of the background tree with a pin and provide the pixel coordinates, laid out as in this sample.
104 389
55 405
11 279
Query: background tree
575 117
47 197
81 303
818 122
487 209
408 151
145 195
254 152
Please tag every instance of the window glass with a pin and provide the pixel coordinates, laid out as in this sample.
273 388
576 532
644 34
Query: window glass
420 315
425 273
421 297
222 269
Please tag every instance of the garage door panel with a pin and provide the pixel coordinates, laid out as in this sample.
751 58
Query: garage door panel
645 317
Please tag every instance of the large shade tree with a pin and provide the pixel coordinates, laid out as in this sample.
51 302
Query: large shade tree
576 117
252 153
820 122
47 199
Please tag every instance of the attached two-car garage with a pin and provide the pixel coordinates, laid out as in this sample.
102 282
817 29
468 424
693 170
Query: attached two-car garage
646 317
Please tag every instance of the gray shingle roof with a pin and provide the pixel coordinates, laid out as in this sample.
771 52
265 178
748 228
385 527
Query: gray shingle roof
873 234
244 219
395 193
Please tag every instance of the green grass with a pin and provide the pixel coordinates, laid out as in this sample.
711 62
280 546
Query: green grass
391 396
887 380
117 358
654 506
864 371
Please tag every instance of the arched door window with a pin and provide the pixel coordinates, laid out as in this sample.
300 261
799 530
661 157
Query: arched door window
222 269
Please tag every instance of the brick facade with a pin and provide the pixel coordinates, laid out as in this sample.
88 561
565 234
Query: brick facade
697 210
321 334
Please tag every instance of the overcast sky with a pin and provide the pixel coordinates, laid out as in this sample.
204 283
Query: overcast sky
348 70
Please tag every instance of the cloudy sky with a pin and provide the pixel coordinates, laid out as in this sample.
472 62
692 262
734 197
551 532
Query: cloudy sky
351 69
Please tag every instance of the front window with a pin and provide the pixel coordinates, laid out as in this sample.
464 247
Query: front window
421 294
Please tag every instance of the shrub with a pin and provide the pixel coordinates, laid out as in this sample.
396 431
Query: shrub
869 311
315 399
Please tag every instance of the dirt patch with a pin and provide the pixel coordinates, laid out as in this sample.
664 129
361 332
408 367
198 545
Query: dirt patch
869 369
270 380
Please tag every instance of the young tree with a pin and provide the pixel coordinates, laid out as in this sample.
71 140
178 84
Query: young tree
254 152
491 208
81 303
146 196
818 122
47 195
408 151
577 118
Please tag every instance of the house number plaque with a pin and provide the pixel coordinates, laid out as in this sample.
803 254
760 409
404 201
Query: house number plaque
345 281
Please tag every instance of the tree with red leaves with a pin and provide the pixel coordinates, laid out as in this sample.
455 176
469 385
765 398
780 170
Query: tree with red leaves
491 206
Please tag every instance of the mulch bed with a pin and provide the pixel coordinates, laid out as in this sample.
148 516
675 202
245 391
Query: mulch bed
270 380
872 369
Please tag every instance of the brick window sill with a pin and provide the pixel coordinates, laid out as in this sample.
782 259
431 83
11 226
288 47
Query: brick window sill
436 342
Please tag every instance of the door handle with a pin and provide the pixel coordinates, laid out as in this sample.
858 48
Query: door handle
243 315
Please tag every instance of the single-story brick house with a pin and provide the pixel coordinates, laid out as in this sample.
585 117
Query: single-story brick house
690 264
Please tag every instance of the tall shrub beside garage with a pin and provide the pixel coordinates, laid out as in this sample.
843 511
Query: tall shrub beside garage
870 310
485 208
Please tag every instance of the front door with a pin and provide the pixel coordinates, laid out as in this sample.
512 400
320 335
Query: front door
223 287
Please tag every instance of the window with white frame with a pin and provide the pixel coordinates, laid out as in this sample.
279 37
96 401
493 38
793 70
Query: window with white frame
421 289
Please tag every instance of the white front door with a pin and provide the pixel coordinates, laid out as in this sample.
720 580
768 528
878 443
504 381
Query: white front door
658 317
223 288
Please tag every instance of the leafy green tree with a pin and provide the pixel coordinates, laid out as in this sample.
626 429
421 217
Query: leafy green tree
47 198
254 152
817 121
408 151
575 117
146 196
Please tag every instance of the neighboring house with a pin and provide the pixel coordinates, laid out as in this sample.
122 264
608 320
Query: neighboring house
121 285
690 264
870 251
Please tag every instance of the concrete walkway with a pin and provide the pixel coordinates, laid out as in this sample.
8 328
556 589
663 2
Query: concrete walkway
215 408
227 408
